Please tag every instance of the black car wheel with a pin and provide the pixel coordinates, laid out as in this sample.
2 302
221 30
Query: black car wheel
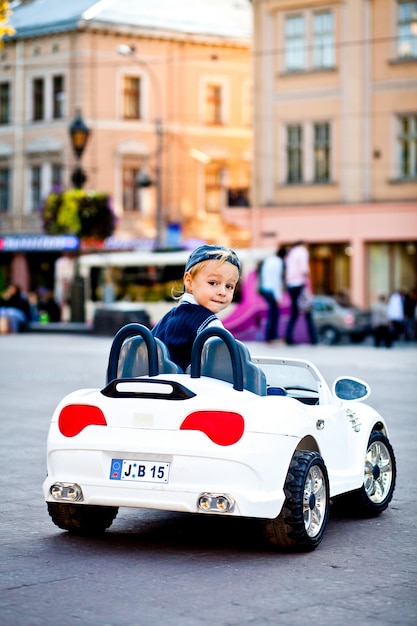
303 519
82 519
328 335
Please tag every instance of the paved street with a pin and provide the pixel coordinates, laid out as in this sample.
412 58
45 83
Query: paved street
156 568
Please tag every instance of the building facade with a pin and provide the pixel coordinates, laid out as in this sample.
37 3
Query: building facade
166 95
335 140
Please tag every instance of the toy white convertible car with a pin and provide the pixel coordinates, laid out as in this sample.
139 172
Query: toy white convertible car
236 435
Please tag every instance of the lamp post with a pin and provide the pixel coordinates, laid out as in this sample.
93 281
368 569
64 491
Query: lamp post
144 180
79 133
158 168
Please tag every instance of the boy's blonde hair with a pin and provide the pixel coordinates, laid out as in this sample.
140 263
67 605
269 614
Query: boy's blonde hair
199 259
221 257
212 253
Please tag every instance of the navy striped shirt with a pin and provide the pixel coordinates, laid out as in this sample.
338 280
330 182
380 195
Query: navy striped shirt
180 326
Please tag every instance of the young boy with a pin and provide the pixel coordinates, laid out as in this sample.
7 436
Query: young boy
210 278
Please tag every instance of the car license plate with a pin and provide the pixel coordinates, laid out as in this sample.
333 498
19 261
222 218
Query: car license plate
139 471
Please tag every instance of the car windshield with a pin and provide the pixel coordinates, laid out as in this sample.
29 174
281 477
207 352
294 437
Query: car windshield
289 376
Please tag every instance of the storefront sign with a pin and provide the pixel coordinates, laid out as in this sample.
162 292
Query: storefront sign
38 243
113 243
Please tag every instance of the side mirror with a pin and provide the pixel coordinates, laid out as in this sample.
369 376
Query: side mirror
350 389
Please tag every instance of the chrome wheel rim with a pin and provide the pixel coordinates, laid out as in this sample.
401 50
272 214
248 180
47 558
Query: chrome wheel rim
314 501
378 472
328 336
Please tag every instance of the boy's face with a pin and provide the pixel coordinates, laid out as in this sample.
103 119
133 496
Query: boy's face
213 285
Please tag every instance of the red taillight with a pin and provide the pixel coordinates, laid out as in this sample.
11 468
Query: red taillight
223 427
75 417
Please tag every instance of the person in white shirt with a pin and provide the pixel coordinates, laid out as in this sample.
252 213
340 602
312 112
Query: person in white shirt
380 322
271 287
396 313
297 273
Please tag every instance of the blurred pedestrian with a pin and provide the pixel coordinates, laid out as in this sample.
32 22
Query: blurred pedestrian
33 304
271 284
49 309
297 274
380 322
15 307
64 276
396 313
410 302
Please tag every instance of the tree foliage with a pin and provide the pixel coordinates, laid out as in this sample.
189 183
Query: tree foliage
5 28
86 214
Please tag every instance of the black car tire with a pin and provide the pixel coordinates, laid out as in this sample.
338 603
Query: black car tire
328 335
303 519
82 519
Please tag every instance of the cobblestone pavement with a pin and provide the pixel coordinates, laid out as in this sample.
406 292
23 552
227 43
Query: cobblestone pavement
163 568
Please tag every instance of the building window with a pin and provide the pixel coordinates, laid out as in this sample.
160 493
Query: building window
323 40
35 187
294 154
57 176
38 94
4 103
213 187
294 43
407 146
58 95
213 104
308 153
131 190
407 29
322 152
309 40
4 190
131 98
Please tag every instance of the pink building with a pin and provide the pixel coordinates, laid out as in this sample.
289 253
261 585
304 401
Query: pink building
335 140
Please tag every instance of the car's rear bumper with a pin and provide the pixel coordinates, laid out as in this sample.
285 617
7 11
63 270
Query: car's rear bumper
252 472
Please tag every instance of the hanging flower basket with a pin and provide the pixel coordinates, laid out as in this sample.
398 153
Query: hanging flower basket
86 214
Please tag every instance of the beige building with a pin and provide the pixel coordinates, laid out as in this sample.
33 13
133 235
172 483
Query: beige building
166 94
335 139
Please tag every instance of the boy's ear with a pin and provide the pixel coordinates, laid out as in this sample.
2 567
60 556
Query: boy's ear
187 280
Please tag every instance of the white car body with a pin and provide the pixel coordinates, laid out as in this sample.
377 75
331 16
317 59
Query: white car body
220 441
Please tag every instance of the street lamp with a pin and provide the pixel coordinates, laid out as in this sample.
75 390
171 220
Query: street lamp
79 133
144 180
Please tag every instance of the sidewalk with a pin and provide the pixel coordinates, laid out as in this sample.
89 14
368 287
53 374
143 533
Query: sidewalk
60 327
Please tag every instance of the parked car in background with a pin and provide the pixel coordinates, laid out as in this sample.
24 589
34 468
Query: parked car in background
337 321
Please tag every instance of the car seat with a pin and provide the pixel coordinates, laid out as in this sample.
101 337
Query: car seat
214 352
133 359
135 352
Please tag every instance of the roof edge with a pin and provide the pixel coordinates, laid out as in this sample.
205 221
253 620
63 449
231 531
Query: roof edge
147 31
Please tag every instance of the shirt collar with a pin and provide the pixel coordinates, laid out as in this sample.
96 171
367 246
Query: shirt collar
188 297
